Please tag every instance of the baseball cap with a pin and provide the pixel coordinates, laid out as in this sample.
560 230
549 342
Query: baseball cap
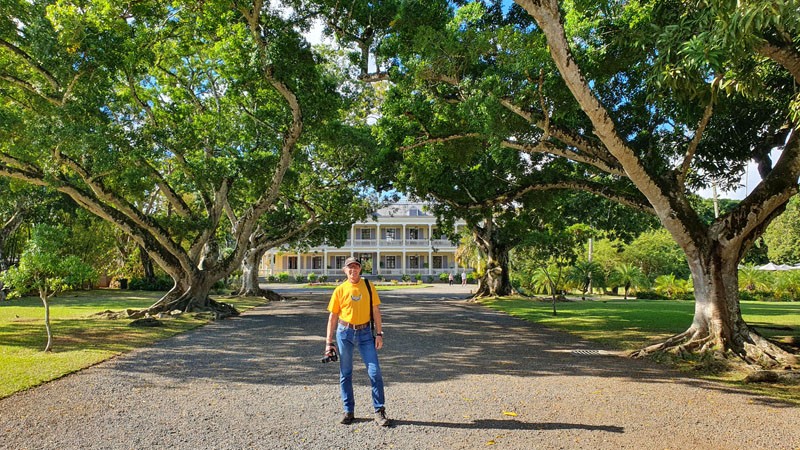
351 260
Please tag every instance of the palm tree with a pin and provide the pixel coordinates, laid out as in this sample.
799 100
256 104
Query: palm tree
671 286
752 279
585 274
628 276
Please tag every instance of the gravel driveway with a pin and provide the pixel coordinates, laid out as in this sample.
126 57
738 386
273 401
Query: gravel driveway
458 376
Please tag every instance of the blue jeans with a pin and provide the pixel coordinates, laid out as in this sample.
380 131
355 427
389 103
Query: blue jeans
348 339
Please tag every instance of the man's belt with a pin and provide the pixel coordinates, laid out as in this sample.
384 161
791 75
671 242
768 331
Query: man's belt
355 327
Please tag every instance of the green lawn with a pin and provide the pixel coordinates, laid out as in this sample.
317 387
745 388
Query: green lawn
80 339
628 324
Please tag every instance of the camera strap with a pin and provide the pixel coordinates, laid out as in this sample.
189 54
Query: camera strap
371 319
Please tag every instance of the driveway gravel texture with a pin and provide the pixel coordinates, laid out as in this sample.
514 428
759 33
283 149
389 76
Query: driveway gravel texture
458 376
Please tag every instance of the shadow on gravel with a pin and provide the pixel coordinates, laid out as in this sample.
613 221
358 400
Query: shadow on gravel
428 340
490 424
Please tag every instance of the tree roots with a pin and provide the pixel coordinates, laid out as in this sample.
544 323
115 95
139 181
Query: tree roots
754 350
186 303
266 293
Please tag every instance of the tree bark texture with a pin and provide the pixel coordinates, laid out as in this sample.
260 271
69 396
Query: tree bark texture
250 285
495 280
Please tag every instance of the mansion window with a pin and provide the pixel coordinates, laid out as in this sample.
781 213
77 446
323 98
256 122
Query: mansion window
391 262
437 262
413 233
291 262
413 262
316 262
340 261
366 233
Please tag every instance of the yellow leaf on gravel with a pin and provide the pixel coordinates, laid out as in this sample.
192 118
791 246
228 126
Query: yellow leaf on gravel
491 443
509 413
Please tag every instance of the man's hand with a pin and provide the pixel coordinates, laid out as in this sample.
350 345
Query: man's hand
331 355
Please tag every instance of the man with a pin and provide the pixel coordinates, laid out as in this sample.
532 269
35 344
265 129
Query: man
349 319
463 278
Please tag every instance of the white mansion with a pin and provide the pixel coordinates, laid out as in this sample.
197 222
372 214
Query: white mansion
399 239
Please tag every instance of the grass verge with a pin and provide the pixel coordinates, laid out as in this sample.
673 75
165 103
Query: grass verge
80 339
629 325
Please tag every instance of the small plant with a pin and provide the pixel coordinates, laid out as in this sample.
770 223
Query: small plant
444 277
406 278
283 277
300 278
418 277
323 279
312 277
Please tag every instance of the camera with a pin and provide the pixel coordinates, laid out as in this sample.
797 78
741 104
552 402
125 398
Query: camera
332 357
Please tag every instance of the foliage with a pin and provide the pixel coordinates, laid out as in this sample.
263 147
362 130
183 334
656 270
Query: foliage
672 287
783 235
312 277
656 253
161 283
584 274
752 279
627 276
283 277
46 266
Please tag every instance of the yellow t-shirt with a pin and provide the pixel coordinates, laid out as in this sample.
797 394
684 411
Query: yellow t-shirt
351 302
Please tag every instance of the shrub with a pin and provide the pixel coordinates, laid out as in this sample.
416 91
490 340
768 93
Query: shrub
406 278
444 277
283 277
272 279
300 278
155 284
418 277
323 278
312 277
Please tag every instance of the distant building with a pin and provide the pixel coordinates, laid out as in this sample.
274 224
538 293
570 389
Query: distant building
399 239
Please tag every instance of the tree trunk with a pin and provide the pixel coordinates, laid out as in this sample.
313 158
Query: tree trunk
250 285
190 294
495 281
43 295
718 326
147 265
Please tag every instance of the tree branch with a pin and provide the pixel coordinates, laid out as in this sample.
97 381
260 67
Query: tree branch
30 88
439 140
33 64
698 136
785 55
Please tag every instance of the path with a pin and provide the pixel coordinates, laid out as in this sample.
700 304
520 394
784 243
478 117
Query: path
458 376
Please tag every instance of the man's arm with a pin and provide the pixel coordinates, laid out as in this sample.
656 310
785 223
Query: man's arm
376 316
330 335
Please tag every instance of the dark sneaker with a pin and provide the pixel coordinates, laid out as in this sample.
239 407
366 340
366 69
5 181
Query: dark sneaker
347 419
381 419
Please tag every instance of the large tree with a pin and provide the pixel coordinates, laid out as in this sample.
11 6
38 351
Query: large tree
178 123
713 54
650 100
